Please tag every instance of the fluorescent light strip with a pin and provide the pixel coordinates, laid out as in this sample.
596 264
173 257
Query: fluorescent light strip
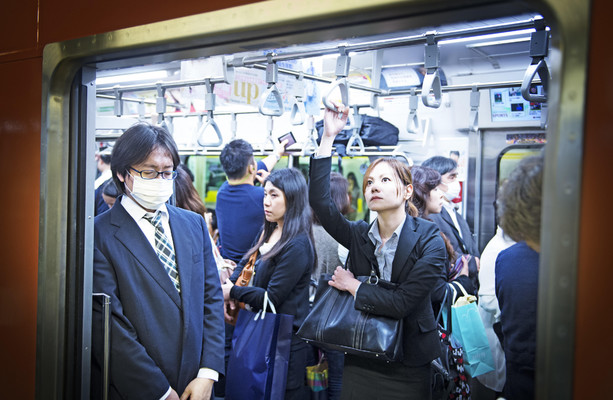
141 76
490 36
498 42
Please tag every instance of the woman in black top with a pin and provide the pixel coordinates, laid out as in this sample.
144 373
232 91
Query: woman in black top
401 248
283 269
428 199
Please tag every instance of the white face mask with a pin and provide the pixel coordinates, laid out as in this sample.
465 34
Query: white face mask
453 190
151 193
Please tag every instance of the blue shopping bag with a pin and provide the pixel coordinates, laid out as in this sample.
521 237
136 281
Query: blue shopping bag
468 329
257 368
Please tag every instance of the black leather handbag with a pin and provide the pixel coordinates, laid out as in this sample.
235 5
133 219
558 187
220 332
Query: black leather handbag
335 324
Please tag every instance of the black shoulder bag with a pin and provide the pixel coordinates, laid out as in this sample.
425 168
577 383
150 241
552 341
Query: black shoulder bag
335 324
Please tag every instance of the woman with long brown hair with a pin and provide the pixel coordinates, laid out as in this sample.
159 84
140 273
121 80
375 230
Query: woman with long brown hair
398 247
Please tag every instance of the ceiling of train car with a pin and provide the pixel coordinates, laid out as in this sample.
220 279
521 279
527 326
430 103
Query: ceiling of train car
462 56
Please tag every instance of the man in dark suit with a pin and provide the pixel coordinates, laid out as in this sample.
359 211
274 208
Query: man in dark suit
449 221
155 262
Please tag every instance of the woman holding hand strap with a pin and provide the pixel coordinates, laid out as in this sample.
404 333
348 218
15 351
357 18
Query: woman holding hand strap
401 249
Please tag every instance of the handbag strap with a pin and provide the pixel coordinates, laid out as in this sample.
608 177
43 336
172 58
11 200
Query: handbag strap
443 304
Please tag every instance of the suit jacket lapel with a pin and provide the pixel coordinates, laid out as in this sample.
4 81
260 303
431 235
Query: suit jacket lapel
367 251
406 242
131 236
183 253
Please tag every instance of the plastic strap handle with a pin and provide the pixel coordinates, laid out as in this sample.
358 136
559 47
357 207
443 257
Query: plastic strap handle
272 89
355 136
310 144
475 97
201 133
343 87
543 115
165 125
432 83
412 120
350 143
141 110
298 113
234 125
160 101
538 66
118 104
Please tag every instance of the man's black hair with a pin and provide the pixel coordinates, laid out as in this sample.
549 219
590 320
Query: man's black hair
235 157
136 144
106 158
440 164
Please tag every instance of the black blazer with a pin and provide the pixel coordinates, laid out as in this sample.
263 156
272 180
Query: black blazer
417 265
159 338
462 245
286 278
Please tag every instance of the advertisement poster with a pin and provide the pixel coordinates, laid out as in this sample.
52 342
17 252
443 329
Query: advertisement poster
507 104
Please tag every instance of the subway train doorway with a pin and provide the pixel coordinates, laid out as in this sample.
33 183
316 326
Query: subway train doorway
378 57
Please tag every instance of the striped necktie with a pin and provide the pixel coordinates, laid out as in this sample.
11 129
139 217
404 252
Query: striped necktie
163 248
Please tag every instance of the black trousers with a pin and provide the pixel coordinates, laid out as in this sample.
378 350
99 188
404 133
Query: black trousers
374 380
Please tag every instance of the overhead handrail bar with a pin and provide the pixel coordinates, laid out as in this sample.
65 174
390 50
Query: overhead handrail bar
298 114
321 79
539 47
209 107
137 100
163 85
271 78
342 71
355 135
432 80
475 98
412 120
382 44
463 88
392 151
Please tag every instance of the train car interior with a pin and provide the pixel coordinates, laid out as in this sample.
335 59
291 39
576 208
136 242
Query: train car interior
480 82
474 103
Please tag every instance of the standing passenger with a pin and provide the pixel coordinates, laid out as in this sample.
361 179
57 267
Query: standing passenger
402 249
517 272
283 267
103 164
239 209
239 203
428 198
156 264
449 221
327 260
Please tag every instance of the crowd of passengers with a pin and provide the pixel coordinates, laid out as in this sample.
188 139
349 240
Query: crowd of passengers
171 273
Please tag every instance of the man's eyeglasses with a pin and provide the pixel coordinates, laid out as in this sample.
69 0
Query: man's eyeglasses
152 174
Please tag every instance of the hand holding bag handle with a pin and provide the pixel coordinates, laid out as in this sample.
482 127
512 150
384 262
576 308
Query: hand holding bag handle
243 280
335 324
